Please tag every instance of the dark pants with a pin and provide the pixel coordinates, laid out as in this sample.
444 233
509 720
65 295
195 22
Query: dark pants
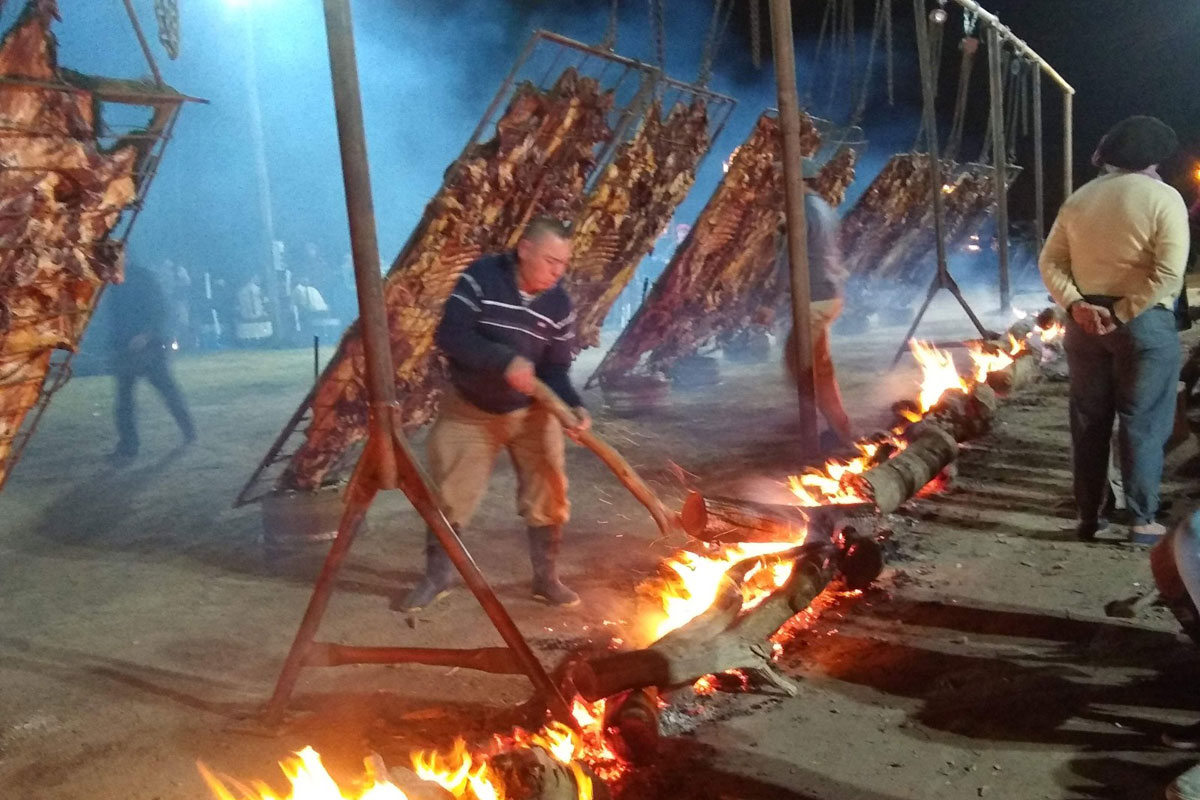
1130 373
150 364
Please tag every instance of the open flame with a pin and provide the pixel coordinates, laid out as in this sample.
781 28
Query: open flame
695 579
990 358
1052 333
939 375
310 781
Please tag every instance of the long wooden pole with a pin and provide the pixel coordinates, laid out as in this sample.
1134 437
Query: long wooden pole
387 461
783 44
999 162
625 473
1039 166
1068 145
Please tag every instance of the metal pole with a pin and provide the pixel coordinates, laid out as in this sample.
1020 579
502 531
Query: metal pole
931 138
381 384
999 163
1039 167
1068 145
992 21
141 37
783 45
390 448
264 179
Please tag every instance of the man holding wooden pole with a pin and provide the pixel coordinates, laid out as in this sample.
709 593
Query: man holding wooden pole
507 324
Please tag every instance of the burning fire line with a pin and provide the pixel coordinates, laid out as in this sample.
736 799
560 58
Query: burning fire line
693 580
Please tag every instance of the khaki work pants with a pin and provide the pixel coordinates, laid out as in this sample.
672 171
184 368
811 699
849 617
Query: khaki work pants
463 446
822 314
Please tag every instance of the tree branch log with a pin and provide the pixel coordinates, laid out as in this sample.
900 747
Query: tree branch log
904 474
721 639
626 474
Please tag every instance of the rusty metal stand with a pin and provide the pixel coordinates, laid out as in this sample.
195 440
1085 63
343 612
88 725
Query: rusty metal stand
387 461
943 279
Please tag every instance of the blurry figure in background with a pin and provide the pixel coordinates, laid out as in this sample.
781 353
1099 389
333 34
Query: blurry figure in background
253 325
827 280
311 308
1115 260
178 287
139 350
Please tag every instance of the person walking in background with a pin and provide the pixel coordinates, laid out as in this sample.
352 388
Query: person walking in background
1115 259
139 350
827 280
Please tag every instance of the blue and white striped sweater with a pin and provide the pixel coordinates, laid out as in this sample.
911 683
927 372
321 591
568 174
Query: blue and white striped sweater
488 321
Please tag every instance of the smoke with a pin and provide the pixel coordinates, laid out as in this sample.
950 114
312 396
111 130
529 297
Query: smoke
428 70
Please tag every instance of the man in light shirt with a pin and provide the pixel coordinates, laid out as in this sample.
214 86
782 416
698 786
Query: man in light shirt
1115 260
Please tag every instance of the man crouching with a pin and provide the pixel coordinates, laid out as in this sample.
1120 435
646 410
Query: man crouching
508 322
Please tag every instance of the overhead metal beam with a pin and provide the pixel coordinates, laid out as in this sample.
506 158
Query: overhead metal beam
1018 43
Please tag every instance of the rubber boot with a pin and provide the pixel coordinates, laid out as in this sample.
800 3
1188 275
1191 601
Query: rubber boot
439 577
543 554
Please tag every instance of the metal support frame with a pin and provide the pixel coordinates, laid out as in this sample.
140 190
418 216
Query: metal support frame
784 47
1004 33
999 163
386 461
942 279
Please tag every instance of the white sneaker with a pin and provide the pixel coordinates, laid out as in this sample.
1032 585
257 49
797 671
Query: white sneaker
1150 533
1186 786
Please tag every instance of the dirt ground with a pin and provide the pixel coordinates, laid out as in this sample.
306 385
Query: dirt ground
140 619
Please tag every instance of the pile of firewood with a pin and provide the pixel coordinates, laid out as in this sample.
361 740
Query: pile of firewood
60 197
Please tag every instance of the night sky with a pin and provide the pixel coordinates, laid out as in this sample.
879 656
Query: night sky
429 68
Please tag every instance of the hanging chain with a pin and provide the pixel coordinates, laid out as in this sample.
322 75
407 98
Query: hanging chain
887 35
970 22
658 23
610 35
969 47
810 84
167 13
839 15
755 35
716 31
876 30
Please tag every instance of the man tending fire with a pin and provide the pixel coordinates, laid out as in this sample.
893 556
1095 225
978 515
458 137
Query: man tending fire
507 324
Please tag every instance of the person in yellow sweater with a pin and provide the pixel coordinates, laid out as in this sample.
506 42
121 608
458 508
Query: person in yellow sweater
1115 259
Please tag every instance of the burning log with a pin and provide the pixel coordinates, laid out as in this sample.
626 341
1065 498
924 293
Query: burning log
611 458
531 773
712 518
631 725
1023 371
964 415
723 638
903 475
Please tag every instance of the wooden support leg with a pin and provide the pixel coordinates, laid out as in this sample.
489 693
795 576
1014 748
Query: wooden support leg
359 495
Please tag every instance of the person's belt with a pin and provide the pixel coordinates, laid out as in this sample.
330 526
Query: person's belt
1109 300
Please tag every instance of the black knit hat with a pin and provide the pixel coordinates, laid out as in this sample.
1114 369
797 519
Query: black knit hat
1136 143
